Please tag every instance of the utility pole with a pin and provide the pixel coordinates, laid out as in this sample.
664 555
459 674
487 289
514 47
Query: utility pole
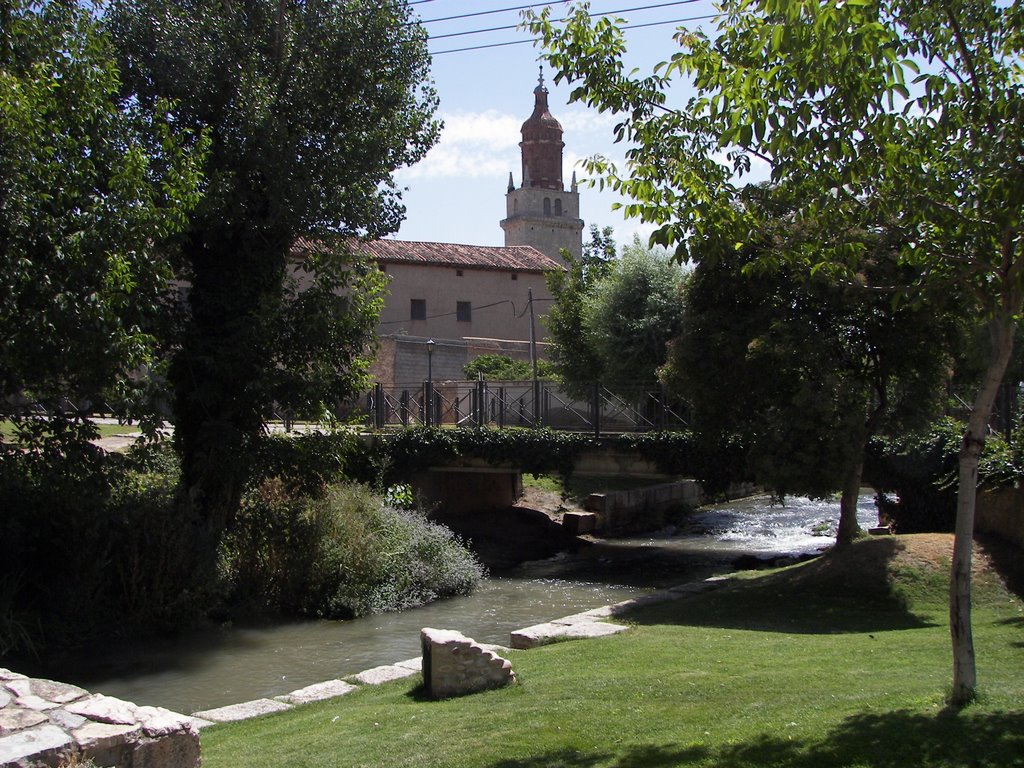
533 362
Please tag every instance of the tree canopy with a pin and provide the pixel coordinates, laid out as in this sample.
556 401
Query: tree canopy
906 113
88 185
310 108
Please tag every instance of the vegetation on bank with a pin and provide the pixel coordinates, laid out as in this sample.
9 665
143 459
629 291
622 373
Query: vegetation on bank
840 661
110 548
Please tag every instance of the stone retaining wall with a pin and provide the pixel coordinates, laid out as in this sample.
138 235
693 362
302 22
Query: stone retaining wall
641 508
43 722
1001 512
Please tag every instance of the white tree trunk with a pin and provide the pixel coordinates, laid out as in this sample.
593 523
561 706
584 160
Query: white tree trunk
965 678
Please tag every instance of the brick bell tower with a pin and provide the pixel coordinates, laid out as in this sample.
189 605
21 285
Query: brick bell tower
541 212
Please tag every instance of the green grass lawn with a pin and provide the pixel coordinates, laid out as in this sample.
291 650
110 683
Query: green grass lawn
843 661
105 430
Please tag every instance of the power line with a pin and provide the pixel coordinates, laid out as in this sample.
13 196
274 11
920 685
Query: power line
629 28
516 26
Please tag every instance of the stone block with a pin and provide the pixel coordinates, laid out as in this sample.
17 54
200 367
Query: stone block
382 674
43 744
105 709
550 632
16 719
243 711
578 523
317 692
455 665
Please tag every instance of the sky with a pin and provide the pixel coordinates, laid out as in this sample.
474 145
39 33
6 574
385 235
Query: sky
456 194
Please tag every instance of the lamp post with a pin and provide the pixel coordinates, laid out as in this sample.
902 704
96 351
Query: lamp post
429 404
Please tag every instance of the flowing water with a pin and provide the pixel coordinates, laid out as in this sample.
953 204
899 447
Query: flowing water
233 664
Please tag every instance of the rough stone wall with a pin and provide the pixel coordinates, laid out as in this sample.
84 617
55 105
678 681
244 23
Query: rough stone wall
455 665
1001 512
641 507
43 722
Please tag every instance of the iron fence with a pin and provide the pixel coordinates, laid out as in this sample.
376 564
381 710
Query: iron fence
639 408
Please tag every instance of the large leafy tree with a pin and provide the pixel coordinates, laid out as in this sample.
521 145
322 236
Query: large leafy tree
87 185
310 107
864 112
805 372
576 361
632 313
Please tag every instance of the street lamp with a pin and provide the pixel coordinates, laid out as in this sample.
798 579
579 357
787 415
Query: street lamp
430 360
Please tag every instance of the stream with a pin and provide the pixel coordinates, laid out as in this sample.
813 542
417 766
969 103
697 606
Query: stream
232 664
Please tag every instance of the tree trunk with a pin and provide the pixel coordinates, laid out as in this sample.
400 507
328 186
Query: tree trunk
848 525
965 680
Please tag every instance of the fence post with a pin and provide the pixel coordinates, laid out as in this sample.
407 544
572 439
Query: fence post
597 409
481 402
378 412
428 402
501 407
404 409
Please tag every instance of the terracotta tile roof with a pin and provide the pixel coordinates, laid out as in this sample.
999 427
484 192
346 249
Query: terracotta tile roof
511 258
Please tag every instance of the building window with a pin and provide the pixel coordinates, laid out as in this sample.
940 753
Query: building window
515 275
458 273
418 309
464 311
558 206
547 206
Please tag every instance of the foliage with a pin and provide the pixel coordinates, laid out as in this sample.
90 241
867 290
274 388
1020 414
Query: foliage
311 107
575 360
897 113
544 451
495 367
806 370
338 555
97 549
632 313
611 320
88 185
916 474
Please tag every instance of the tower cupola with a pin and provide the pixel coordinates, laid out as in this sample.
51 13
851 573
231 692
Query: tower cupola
542 144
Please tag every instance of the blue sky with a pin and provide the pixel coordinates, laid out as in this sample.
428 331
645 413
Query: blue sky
457 193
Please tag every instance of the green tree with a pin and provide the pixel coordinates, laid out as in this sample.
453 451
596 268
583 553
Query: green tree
575 360
903 112
631 314
310 107
87 185
806 371
494 367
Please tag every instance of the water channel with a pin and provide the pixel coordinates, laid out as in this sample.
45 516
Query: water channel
233 664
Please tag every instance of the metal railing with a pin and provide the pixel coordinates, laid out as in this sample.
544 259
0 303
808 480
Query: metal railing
524 404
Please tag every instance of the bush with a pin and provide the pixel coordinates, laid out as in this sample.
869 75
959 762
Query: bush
339 555
916 475
96 548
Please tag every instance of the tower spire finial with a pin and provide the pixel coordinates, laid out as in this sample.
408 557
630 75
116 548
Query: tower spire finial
540 77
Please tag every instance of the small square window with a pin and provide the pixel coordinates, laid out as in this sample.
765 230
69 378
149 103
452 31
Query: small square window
418 309
464 311
515 275
458 273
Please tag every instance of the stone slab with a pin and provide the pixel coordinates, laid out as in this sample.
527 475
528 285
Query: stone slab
416 664
37 743
15 719
105 709
317 692
382 674
545 634
243 711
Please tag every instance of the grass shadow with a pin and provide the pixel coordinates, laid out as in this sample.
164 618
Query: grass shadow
1007 561
882 740
849 589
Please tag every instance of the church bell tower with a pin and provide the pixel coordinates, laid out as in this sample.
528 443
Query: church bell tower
541 212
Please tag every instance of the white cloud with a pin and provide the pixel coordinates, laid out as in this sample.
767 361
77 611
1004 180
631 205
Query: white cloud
472 145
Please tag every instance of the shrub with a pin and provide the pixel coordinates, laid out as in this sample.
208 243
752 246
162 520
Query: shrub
338 555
